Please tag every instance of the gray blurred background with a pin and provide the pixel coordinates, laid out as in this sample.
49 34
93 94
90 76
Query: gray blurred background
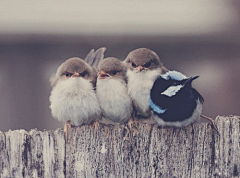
193 37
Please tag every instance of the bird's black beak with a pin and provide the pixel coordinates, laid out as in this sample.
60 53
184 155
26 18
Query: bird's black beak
190 79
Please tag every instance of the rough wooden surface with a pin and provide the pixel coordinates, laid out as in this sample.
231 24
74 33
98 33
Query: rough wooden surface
32 154
194 151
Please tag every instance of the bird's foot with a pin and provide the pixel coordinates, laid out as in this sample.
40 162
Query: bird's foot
212 122
67 126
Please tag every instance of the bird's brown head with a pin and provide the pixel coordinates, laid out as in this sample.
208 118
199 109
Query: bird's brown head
111 68
142 59
74 67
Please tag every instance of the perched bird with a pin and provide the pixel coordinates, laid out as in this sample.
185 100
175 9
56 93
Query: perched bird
144 66
111 90
73 98
173 100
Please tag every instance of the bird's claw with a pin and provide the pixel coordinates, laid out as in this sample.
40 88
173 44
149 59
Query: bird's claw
67 126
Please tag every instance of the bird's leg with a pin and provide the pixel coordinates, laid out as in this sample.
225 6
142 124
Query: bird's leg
67 126
96 126
212 122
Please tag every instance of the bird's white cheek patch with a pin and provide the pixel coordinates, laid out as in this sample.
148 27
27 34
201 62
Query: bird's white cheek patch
171 91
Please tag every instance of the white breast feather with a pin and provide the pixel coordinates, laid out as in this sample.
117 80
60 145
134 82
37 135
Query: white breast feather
139 86
114 100
74 99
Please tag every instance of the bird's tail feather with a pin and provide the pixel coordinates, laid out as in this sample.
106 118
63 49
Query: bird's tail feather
212 122
94 57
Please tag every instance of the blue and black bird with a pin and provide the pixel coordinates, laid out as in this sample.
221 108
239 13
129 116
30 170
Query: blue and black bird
173 100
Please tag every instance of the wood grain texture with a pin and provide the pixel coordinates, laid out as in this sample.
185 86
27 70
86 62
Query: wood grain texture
32 154
193 151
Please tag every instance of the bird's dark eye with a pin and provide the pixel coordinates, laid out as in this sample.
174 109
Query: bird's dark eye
83 74
67 74
133 64
114 72
147 65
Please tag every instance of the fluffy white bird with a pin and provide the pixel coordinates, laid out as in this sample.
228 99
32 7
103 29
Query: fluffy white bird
73 98
144 66
112 91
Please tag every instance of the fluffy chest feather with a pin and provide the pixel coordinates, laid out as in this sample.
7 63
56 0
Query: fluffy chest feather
139 86
114 101
74 99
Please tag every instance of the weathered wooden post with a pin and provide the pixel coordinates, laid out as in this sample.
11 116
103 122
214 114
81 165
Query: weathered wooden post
194 151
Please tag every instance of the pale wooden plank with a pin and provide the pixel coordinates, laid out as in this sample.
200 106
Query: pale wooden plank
193 151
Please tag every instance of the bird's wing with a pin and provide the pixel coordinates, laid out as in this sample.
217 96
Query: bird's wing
93 58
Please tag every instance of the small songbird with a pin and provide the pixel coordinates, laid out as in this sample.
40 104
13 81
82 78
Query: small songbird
73 99
111 90
144 66
173 100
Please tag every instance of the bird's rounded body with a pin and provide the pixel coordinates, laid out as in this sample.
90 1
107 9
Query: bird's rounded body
73 97
144 66
75 100
111 90
115 103
168 119
173 100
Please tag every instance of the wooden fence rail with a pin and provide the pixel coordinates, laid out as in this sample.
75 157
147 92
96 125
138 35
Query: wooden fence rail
194 151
